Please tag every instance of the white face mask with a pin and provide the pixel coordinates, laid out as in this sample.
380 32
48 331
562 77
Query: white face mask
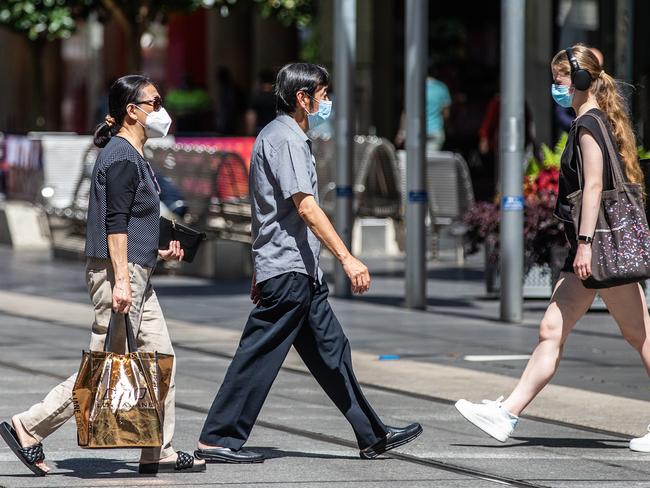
157 123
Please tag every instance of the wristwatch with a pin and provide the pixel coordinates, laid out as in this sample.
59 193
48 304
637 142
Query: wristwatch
587 239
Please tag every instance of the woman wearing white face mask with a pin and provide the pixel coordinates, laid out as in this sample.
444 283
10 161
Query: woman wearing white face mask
121 250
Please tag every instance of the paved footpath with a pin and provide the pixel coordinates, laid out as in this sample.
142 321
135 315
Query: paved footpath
577 437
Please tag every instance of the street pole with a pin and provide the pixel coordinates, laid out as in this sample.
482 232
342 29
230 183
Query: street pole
511 144
95 85
345 45
417 19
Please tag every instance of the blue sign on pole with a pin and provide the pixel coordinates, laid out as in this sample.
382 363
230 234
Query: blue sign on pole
344 192
417 197
512 203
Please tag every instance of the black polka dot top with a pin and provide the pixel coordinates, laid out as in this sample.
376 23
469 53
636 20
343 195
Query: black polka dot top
123 199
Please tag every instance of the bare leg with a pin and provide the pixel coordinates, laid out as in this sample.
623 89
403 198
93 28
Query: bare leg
570 301
628 307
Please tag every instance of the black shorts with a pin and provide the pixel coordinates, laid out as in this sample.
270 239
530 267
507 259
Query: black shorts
572 239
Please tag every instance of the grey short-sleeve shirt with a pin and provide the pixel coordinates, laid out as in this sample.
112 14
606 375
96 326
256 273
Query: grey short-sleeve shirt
282 165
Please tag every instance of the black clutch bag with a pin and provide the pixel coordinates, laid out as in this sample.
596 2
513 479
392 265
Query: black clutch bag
190 239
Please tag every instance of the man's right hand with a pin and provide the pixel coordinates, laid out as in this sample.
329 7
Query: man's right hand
358 274
122 296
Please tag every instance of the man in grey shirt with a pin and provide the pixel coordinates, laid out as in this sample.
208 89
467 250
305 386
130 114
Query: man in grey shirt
288 288
282 240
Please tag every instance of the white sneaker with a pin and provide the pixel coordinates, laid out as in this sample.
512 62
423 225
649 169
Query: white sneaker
490 417
641 444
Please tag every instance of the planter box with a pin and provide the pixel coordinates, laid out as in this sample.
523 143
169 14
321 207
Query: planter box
538 284
540 280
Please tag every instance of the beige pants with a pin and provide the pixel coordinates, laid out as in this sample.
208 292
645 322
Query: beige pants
151 332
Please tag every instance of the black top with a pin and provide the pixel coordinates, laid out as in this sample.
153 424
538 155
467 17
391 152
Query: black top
123 199
569 182
121 186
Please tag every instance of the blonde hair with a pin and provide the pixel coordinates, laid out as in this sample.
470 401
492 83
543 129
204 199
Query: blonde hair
612 103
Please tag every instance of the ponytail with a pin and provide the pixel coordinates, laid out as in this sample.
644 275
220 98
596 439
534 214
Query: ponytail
104 131
608 96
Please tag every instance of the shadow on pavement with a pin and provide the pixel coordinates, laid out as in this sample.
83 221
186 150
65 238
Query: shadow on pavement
398 301
274 453
456 273
573 442
97 468
90 468
561 442
443 274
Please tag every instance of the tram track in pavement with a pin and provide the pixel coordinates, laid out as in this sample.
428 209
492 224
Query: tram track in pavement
418 396
411 394
409 458
329 439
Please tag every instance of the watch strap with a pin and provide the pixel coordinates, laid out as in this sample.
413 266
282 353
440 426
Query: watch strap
587 239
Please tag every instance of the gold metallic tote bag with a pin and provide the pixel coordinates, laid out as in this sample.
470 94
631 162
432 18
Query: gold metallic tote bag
119 398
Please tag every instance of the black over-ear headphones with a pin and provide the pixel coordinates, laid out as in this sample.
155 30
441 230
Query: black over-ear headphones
580 78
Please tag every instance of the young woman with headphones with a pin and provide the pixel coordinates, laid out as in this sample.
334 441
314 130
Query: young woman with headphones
579 82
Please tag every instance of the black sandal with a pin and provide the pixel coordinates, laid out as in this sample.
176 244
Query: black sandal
184 462
28 455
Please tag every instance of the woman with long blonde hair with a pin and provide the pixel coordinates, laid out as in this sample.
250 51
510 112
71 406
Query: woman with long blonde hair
579 82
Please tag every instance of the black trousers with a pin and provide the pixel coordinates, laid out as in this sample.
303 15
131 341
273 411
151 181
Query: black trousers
293 311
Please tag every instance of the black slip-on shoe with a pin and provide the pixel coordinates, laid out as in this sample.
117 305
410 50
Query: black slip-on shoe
226 455
184 463
396 437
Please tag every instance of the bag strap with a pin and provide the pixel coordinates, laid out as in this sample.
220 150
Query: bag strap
132 348
614 163
132 345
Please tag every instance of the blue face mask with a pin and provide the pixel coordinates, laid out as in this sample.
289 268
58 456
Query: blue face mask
323 113
561 95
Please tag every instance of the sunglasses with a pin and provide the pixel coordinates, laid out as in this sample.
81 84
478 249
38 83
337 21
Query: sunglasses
155 102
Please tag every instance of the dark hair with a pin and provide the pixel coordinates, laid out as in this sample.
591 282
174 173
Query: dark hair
296 77
124 91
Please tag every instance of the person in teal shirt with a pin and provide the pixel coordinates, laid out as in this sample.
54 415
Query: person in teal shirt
438 102
437 112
